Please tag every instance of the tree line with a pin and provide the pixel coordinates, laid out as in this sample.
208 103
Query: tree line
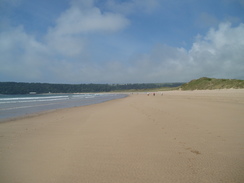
26 88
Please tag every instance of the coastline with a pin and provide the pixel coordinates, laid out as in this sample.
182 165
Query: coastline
13 107
181 136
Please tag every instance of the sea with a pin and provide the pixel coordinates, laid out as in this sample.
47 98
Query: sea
12 106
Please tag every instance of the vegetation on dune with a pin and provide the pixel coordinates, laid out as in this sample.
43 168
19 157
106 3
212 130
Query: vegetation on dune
205 83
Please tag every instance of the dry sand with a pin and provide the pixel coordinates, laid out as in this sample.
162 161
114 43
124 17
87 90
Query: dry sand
193 136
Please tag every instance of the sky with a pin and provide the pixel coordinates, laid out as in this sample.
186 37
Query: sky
120 41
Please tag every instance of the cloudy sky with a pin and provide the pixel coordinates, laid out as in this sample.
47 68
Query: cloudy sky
120 41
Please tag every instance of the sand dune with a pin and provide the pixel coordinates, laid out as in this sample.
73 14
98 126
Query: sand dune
182 136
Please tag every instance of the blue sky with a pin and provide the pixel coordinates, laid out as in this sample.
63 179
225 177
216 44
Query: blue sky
121 41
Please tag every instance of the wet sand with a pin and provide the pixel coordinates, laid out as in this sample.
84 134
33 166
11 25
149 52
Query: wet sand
180 136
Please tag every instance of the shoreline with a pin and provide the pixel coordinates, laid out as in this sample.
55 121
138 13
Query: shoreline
36 114
169 93
39 108
192 136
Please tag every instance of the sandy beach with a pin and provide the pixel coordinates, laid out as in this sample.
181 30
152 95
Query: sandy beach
180 136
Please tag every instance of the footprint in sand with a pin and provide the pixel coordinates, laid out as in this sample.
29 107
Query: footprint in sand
193 151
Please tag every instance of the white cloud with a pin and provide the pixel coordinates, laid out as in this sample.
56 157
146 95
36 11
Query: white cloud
67 46
69 35
77 21
21 55
218 54
62 55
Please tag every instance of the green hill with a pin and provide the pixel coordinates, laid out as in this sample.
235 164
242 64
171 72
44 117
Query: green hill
26 88
212 83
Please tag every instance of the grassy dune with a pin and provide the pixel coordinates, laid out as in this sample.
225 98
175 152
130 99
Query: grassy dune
212 83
